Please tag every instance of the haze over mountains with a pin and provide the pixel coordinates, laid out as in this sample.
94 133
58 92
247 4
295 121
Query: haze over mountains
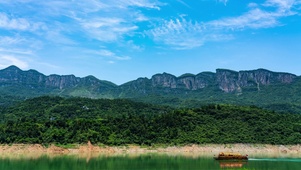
255 87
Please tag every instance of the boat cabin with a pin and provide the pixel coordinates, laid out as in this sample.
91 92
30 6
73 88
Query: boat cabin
230 156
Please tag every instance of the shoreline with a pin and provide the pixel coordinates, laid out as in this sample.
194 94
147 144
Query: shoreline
204 150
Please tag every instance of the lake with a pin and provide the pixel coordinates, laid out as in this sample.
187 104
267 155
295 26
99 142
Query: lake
144 162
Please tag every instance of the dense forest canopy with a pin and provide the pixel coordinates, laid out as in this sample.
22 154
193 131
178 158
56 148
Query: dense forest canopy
116 122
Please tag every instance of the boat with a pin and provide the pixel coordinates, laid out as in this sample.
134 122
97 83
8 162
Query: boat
230 156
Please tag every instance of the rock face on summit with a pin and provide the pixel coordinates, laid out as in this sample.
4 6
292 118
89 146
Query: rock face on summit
226 80
31 78
186 81
164 80
230 81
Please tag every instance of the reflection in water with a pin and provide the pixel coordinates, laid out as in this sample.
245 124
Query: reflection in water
230 164
144 162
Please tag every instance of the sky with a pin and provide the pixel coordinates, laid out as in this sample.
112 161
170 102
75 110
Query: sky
122 40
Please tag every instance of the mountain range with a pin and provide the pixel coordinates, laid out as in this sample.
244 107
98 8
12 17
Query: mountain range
261 87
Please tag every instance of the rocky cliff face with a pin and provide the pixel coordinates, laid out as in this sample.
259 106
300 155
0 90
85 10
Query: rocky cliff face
186 81
226 80
164 80
168 81
60 82
230 81
13 75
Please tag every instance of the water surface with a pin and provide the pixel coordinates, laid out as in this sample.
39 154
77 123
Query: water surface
144 162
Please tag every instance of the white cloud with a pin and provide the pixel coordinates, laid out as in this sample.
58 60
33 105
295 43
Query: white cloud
252 5
80 8
57 37
16 51
6 40
106 53
70 8
107 29
117 21
111 55
178 33
22 24
138 3
182 2
114 20
182 34
6 60
122 58
281 4
106 20
255 18
18 44
18 24
133 46
102 22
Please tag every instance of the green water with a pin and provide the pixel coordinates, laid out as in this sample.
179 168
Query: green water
146 162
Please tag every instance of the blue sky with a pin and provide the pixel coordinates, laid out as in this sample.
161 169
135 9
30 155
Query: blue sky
122 40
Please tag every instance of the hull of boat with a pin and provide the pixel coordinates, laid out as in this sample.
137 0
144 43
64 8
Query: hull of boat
231 158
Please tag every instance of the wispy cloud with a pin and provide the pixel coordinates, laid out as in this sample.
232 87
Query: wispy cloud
134 46
255 18
281 4
182 2
7 60
56 37
111 55
138 3
72 23
258 16
105 21
16 51
107 29
252 5
22 24
116 22
182 34
114 18
7 40
17 44
178 33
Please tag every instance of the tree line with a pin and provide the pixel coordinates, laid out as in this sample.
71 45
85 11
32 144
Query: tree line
117 122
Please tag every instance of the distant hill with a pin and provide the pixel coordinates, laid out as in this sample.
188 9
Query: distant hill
31 83
264 88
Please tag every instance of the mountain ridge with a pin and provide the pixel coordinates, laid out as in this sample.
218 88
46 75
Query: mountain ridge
6 75
222 77
16 69
227 80
259 87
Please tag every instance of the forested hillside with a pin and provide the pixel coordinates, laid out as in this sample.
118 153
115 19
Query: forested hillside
280 98
263 88
116 122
